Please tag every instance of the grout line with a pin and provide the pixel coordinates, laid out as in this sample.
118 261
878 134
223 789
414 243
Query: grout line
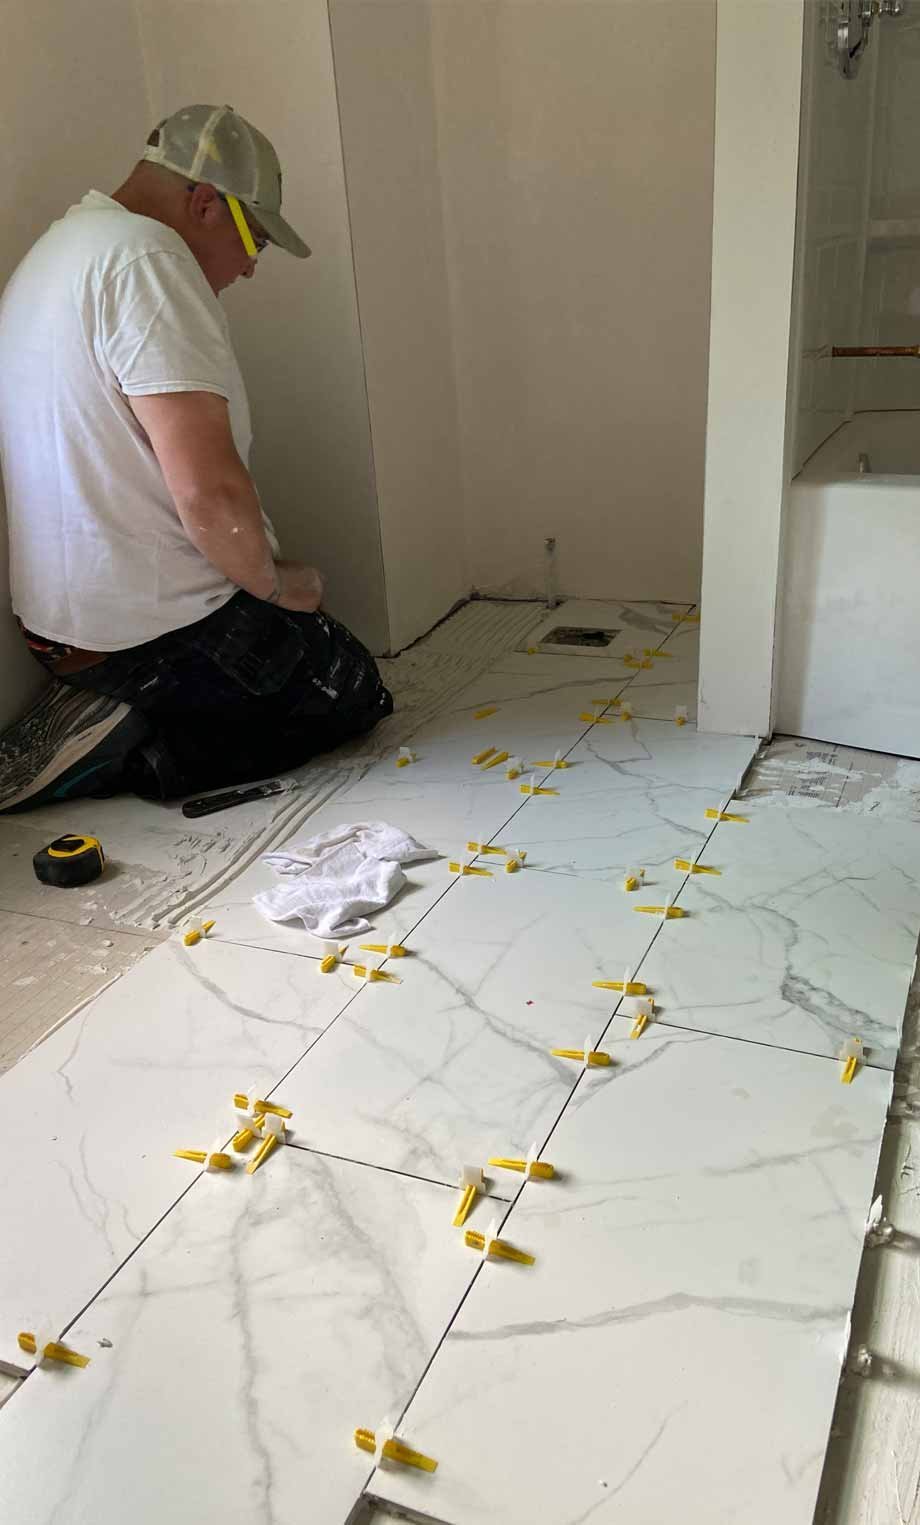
131 1254
391 1170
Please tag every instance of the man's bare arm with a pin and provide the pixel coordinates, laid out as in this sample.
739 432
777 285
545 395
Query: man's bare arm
214 495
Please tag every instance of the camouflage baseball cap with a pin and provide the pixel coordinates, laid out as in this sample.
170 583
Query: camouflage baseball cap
217 145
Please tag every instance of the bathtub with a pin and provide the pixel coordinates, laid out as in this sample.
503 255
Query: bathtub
848 626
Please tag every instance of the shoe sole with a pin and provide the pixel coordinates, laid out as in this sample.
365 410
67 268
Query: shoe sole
60 731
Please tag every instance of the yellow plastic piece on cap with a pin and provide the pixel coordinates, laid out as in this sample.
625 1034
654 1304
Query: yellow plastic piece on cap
466 1206
595 1056
500 1248
686 867
652 651
376 976
395 950
482 847
329 963
198 1156
613 704
27 1343
596 719
553 764
533 789
512 866
243 1139
394 1450
848 1071
539 1169
493 762
242 227
481 756
723 815
467 868
670 912
483 714
220 1161
639 1025
631 882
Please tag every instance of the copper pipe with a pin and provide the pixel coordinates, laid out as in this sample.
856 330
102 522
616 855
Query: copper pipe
911 351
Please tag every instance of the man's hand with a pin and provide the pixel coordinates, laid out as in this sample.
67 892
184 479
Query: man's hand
299 587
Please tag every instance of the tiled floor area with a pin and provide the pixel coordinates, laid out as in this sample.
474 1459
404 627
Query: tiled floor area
675 1350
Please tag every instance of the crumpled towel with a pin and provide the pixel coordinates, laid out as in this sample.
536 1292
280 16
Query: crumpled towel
335 878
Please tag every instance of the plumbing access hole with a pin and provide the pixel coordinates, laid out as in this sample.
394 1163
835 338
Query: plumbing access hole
580 637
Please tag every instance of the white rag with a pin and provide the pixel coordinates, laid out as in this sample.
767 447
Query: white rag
337 877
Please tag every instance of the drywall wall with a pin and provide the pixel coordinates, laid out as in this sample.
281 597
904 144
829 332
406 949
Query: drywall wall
891 312
758 90
295 325
833 192
575 145
390 141
73 92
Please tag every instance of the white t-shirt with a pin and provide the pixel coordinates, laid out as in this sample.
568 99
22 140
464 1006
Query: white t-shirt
107 305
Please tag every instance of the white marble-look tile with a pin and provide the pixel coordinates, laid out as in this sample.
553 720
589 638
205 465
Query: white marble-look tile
531 708
263 1321
90 1118
807 938
454 1065
660 700
648 754
674 1354
600 832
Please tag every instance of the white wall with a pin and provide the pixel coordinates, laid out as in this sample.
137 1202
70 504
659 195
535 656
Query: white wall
891 313
295 325
575 143
835 160
758 88
390 141
73 93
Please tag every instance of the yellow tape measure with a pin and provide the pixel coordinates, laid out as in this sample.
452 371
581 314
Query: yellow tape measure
69 861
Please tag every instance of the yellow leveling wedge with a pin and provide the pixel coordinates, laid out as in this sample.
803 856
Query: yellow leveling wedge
394 1450
497 1247
53 1351
539 1169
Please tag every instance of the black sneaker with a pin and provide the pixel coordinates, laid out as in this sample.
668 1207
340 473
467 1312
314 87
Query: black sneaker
71 743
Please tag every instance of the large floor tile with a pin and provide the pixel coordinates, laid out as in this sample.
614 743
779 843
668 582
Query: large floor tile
661 699
675 1351
91 1117
265 1319
648 754
454 1065
806 939
533 711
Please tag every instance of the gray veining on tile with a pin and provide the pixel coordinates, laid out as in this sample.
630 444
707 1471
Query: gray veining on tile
675 1351
91 1117
263 1321
807 937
